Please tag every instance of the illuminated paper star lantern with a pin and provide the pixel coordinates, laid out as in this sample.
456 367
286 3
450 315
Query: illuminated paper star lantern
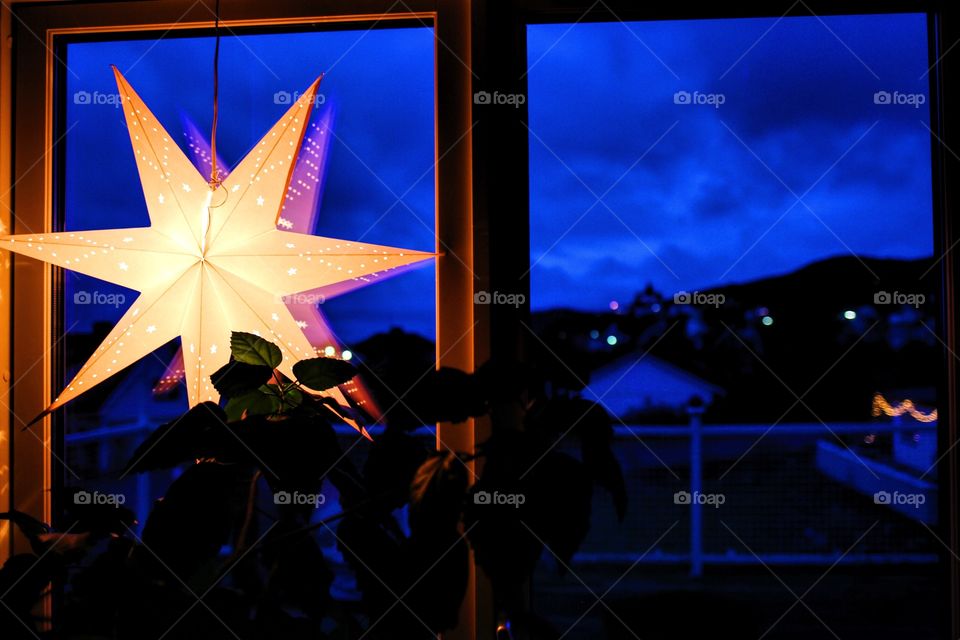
299 213
212 260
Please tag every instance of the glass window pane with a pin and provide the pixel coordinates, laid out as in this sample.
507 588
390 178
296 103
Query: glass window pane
365 173
732 247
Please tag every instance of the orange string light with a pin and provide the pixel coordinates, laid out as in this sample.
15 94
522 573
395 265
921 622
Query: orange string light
881 406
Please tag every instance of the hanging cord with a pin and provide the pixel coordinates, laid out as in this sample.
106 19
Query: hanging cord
214 172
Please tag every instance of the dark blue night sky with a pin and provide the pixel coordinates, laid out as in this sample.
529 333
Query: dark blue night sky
698 209
379 82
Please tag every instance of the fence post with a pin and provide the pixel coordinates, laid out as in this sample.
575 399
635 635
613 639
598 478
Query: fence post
695 411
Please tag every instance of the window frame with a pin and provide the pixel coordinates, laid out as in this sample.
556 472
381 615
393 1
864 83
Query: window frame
482 190
502 178
31 78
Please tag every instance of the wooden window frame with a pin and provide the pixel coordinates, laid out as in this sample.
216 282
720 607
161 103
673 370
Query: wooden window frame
27 168
502 176
482 195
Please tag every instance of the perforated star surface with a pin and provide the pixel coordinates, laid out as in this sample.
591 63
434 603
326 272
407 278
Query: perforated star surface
212 260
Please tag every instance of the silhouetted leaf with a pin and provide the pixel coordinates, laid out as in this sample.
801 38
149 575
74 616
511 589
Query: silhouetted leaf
391 465
295 451
69 547
604 468
23 578
320 374
189 525
298 573
251 349
292 397
259 402
29 526
437 493
97 592
438 566
172 443
560 498
591 423
503 546
376 560
237 378
526 497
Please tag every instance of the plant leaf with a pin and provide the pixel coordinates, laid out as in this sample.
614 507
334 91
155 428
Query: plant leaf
252 349
391 465
237 378
259 402
320 374
187 527
293 396
437 491
177 441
